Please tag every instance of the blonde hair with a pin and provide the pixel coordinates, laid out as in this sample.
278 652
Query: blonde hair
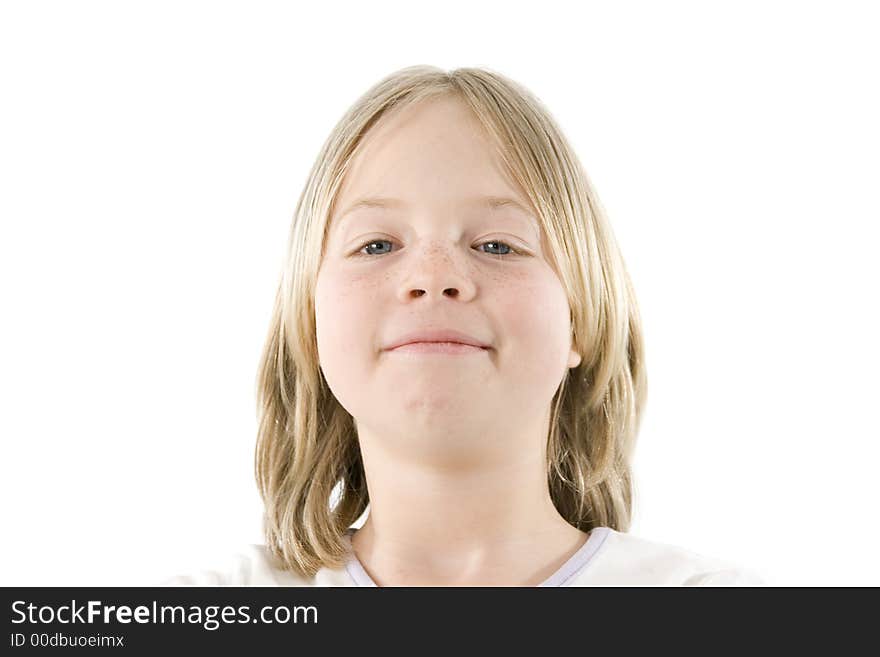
307 446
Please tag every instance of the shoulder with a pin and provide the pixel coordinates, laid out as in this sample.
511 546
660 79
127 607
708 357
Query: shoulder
628 560
254 565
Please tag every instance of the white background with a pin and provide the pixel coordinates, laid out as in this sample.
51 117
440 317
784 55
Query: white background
152 153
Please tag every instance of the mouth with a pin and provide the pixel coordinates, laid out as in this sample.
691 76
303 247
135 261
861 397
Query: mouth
447 348
438 336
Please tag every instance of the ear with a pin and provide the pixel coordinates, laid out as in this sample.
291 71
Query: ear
574 358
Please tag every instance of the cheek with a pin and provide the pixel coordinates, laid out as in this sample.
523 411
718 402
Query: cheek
535 316
535 309
345 312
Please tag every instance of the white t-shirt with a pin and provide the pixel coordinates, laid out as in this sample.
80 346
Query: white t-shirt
608 558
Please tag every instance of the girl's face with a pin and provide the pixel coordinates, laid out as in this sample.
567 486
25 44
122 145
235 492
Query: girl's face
437 257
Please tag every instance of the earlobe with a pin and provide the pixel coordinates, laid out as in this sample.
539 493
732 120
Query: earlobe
574 358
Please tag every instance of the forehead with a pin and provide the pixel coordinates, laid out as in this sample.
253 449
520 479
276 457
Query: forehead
485 202
434 153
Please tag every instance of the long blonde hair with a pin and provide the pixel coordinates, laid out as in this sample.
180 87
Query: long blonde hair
307 448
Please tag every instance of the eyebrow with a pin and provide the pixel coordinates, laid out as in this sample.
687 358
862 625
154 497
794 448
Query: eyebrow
384 202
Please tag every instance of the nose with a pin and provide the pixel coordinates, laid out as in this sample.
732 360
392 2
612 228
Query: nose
438 271
449 291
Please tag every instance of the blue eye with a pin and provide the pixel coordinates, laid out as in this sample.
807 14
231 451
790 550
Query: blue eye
504 245
509 248
369 244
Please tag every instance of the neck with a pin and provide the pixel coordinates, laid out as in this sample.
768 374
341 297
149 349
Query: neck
492 525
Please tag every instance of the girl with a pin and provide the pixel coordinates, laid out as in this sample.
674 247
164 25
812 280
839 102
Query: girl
455 348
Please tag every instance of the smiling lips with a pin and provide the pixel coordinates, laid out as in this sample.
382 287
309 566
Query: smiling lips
438 341
438 348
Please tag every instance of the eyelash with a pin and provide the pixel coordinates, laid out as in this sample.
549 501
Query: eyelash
500 256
